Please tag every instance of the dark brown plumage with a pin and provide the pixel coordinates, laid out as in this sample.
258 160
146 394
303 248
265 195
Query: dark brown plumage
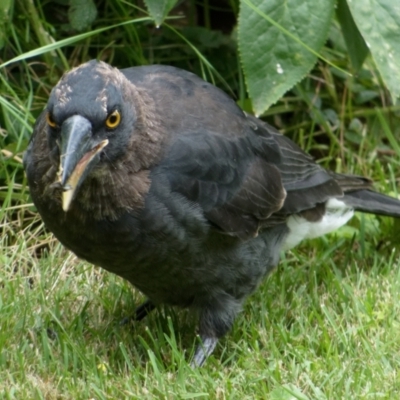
157 176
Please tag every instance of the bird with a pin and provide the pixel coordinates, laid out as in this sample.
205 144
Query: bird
161 178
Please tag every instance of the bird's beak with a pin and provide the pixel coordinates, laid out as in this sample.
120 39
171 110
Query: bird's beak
79 153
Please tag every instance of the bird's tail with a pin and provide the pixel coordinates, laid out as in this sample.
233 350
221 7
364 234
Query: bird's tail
372 202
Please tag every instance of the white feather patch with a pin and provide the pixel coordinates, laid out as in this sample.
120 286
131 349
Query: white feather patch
337 213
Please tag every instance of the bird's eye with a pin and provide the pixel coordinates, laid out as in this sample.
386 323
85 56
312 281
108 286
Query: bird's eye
113 119
50 120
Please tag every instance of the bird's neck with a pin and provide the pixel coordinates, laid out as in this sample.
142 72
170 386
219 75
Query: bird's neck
110 193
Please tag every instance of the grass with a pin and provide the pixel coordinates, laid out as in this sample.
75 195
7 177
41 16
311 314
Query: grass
324 325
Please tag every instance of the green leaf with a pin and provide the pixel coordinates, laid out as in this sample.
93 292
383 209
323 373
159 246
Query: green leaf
81 14
5 8
159 9
379 24
355 43
278 42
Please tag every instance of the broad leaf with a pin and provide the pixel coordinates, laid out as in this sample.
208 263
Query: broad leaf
379 24
355 43
159 9
81 14
278 41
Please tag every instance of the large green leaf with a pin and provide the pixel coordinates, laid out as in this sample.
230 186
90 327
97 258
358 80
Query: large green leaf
379 24
159 9
278 41
355 43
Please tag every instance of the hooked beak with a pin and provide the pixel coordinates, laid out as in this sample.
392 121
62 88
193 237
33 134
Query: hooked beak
79 154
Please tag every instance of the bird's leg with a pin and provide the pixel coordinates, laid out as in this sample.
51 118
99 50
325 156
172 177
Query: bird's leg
140 312
145 308
203 350
214 323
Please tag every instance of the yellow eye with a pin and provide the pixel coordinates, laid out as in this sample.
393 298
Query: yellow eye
113 119
50 120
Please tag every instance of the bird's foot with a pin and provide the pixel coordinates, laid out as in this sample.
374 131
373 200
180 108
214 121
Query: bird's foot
203 350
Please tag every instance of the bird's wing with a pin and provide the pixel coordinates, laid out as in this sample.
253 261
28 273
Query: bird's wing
246 182
235 188
241 171
306 183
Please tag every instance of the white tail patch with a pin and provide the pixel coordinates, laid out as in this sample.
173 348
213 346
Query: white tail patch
337 213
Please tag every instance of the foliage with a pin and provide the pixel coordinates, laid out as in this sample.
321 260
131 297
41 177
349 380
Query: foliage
81 14
279 41
159 9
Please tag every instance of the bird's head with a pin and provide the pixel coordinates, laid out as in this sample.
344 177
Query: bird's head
90 117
